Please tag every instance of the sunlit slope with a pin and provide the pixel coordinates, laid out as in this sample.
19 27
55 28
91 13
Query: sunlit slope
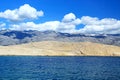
55 48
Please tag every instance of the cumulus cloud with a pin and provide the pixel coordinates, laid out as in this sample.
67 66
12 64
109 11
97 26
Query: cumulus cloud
59 26
23 12
2 26
69 17
68 24
51 25
95 25
70 21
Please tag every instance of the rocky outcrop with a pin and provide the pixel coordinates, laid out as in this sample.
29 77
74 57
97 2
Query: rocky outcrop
8 37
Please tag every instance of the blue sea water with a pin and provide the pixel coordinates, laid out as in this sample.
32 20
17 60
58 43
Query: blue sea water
59 68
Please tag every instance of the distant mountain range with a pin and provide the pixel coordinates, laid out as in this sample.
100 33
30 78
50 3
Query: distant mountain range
9 37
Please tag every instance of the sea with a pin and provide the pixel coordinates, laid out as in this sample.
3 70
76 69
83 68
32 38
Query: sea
59 68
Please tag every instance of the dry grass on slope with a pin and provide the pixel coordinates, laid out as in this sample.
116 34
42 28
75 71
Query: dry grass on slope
54 48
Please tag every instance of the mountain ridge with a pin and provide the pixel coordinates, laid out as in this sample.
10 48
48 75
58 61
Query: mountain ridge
10 37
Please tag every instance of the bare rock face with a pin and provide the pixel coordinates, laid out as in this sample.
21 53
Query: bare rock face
57 48
8 37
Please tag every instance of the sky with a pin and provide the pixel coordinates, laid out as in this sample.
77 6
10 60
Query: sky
69 16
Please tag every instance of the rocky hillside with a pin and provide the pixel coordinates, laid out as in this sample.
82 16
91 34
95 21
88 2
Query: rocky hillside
8 37
55 48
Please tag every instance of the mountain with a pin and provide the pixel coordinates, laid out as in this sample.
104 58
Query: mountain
9 37
57 48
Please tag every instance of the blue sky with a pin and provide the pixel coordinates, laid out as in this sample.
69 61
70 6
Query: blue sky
83 14
51 8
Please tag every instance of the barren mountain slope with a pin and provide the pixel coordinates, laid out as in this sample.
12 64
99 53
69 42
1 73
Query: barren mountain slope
55 48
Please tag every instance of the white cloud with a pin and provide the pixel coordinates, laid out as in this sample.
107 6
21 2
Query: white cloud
62 26
2 26
67 24
24 12
69 17
51 25
95 25
86 20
